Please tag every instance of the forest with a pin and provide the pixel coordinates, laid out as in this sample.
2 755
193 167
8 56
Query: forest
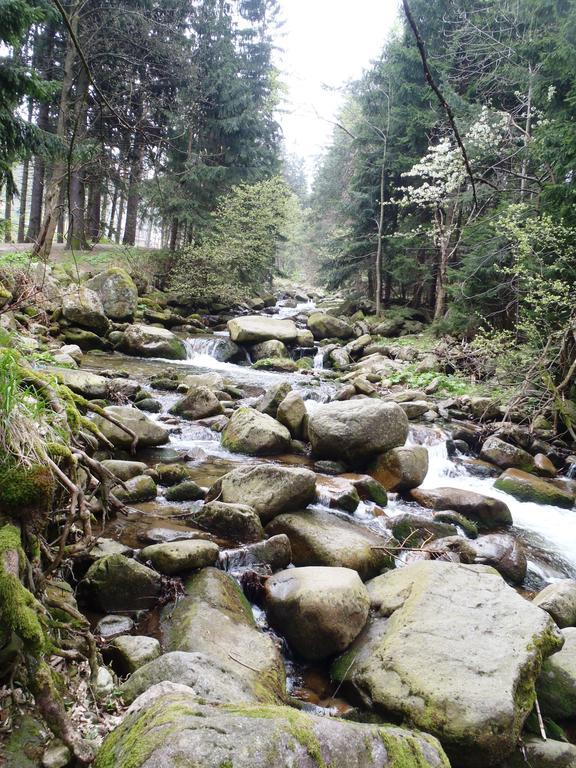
287 444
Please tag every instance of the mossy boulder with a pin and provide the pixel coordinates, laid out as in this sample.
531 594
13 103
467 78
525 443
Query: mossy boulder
255 433
176 729
325 326
215 619
318 537
26 492
81 306
414 529
505 455
117 292
559 600
272 399
137 489
291 412
237 522
257 328
117 583
455 651
187 490
285 365
177 557
198 403
172 474
124 470
556 686
526 487
149 341
84 339
320 611
147 431
269 489
401 469
5 296
535 753
269 349
134 651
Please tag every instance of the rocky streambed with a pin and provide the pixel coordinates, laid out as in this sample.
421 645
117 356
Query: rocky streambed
315 567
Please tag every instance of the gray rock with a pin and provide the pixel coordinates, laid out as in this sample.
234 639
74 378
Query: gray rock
505 455
125 470
111 626
198 403
257 328
485 511
133 651
401 469
147 431
559 600
272 399
414 409
268 488
504 553
328 327
83 307
267 349
89 385
556 686
320 611
462 668
292 413
177 729
536 753
318 537
255 433
135 490
274 552
237 522
356 430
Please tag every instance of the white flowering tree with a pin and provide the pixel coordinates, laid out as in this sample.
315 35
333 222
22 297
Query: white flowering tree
440 184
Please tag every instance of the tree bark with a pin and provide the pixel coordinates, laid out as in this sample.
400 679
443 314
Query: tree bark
173 242
136 167
8 217
94 210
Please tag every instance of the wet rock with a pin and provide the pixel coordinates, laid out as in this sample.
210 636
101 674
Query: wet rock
462 669
504 553
137 489
536 753
162 535
485 511
117 292
238 522
401 469
105 546
116 583
556 686
415 408
255 433
268 349
267 488
346 499
256 328
320 611
134 651
483 409
328 327
291 413
125 470
198 403
84 339
272 399
83 307
339 359
559 600
274 552
172 474
149 405
455 518
355 430
111 626
180 556
187 490
180 729
210 379
215 619
284 365
147 431
526 487
369 489
327 467
411 529
89 385
505 455
150 341
323 538
543 466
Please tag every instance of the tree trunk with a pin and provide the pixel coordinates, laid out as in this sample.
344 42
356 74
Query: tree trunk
23 201
61 202
173 242
76 236
134 190
8 217
118 232
43 244
113 211
94 210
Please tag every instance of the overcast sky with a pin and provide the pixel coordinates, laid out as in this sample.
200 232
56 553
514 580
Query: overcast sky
326 43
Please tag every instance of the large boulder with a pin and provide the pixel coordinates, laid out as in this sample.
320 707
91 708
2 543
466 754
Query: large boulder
149 341
116 583
268 488
272 399
257 328
268 349
83 307
535 753
320 611
504 553
318 537
172 728
485 511
238 522
505 455
556 686
559 600
401 469
198 403
117 292
455 651
328 327
355 430
147 431
173 558
214 618
255 433
292 413
526 487
89 385
274 552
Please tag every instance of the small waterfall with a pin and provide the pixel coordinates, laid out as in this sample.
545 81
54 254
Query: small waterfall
319 360
201 345
571 474
440 465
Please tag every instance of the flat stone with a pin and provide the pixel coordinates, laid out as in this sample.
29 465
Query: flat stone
177 557
133 651
485 511
256 328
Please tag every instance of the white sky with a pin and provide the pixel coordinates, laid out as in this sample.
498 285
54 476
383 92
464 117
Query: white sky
326 43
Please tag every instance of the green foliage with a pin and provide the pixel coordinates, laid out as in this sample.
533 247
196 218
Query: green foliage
451 384
239 255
